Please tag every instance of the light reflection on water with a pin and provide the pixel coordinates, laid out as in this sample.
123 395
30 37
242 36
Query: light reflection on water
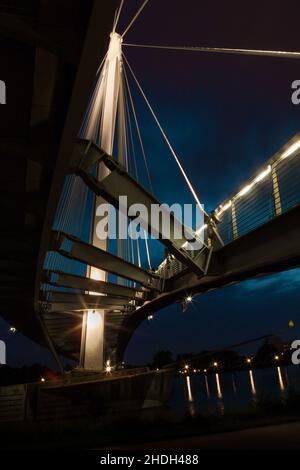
219 391
222 391
253 389
281 383
233 385
207 387
189 390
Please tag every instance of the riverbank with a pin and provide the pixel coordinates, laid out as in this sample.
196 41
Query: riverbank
278 436
156 428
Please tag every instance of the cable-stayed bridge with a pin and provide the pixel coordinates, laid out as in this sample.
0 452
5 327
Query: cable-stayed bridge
91 295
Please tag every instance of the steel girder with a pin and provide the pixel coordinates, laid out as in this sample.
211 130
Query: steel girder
119 183
61 279
104 260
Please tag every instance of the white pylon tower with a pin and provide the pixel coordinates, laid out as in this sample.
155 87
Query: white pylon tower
107 101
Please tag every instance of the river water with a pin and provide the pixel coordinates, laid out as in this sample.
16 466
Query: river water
224 391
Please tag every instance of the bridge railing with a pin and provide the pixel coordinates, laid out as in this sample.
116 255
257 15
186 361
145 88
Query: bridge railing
274 190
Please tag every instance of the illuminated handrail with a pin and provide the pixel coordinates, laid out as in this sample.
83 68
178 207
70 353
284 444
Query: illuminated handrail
275 189
271 192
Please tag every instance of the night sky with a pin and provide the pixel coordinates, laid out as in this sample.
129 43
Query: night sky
225 116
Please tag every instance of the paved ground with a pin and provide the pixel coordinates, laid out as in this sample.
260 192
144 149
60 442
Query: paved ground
280 436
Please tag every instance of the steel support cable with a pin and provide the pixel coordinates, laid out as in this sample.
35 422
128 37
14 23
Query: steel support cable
134 154
123 146
222 50
126 122
130 145
67 227
63 202
193 192
135 17
118 16
54 259
67 224
99 78
138 132
130 138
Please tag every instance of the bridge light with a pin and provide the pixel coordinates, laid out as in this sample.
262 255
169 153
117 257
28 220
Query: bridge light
43 379
276 358
249 360
245 190
93 319
215 364
150 317
223 208
292 149
263 174
259 178
205 370
13 330
189 299
186 366
108 367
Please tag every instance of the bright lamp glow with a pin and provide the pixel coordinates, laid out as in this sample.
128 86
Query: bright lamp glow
292 149
93 319
263 174
245 190
224 208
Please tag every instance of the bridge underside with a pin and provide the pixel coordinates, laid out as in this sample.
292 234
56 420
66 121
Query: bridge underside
59 67
43 45
271 248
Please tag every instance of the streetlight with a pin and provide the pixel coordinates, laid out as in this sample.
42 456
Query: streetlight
189 299
249 360
276 358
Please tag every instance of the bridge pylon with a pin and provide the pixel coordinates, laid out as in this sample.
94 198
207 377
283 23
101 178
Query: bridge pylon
100 127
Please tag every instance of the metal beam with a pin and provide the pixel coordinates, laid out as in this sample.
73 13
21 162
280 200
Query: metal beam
85 155
77 306
86 299
61 279
104 260
119 183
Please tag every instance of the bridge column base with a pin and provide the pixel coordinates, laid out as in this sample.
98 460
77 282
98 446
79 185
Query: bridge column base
92 340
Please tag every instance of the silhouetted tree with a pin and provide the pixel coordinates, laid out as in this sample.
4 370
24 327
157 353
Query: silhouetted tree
162 358
266 353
